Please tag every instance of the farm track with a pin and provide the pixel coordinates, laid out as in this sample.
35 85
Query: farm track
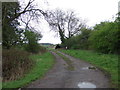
61 77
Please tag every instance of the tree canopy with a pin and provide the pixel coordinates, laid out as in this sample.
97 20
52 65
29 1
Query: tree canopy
11 12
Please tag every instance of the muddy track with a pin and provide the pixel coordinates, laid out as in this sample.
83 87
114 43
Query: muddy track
82 75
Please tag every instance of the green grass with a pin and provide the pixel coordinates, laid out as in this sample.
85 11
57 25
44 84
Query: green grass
43 64
106 62
0 85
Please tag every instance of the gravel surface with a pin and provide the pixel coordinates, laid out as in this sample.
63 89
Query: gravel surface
60 77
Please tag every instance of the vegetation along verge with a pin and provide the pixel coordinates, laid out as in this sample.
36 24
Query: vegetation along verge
42 64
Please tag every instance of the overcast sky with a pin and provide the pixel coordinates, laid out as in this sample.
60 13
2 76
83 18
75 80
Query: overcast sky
93 11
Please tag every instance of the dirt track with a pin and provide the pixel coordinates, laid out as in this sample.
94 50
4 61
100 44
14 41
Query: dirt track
61 77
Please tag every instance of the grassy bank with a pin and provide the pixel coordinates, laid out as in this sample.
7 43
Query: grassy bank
107 62
42 64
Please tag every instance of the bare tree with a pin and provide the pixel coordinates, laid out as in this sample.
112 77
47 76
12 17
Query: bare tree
12 12
62 22
56 20
29 8
30 13
74 24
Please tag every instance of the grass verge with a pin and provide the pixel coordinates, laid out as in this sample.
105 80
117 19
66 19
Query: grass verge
43 64
107 62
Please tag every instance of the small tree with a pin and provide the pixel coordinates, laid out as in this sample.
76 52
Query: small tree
31 39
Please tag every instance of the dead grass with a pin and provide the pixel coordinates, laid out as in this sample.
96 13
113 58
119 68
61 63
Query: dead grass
15 63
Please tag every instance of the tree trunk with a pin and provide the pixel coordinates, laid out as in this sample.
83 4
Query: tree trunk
61 33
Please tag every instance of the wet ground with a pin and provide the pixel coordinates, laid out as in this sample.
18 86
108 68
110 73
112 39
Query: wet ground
84 75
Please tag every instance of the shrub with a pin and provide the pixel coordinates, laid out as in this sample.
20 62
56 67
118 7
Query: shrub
42 49
75 47
79 41
70 42
32 47
15 64
32 39
105 37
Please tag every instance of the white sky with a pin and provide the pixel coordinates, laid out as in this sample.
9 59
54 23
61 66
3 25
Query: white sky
94 11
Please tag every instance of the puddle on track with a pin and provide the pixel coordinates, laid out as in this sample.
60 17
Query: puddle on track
86 85
89 67
85 68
